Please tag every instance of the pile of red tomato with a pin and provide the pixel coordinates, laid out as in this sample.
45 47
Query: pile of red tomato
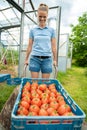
42 100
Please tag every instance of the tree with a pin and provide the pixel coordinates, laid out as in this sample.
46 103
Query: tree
79 40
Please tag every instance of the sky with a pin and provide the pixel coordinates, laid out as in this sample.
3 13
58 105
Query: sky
71 10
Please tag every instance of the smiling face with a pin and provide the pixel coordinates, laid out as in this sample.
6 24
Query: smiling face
42 14
42 17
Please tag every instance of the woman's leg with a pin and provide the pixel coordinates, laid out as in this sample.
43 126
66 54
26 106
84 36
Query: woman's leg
46 67
34 74
45 75
34 67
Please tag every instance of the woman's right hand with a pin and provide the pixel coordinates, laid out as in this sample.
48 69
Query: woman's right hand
26 62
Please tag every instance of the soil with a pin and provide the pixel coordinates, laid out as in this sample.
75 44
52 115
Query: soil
12 70
5 115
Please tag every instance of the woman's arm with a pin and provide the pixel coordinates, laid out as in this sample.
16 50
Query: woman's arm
29 49
54 50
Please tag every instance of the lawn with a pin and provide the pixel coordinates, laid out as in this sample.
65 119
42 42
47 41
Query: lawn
75 83
5 92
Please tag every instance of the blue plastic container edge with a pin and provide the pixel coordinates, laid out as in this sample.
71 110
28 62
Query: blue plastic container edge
18 120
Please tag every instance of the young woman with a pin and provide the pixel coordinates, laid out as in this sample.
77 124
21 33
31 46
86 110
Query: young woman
42 46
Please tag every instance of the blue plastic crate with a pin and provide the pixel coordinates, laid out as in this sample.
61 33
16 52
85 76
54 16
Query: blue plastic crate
4 77
14 81
60 122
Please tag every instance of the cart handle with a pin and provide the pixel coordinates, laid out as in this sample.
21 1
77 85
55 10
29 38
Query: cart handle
24 70
56 71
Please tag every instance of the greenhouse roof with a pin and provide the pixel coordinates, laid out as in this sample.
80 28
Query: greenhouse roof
10 17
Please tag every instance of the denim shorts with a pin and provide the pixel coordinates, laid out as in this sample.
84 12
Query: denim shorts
37 64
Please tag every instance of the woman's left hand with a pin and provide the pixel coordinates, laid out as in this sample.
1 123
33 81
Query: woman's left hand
54 63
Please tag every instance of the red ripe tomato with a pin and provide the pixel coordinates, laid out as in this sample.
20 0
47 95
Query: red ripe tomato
34 95
43 112
60 98
68 114
26 98
32 113
52 94
25 104
27 86
44 100
61 102
49 110
54 113
52 98
44 95
54 91
36 101
34 85
34 108
22 111
42 87
47 91
39 92
68 109
58 94
61 110
51 86
25 93
54 105
44 106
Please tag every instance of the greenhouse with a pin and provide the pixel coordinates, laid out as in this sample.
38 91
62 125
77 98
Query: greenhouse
30 100
16 19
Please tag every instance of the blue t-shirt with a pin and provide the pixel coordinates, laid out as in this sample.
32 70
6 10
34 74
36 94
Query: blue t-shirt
42 40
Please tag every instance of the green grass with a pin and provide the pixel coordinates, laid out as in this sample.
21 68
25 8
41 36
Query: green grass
75 83
5 92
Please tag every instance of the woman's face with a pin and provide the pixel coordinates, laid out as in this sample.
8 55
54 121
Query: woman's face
42 17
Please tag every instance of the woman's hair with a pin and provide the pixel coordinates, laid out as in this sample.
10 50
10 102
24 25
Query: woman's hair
43 7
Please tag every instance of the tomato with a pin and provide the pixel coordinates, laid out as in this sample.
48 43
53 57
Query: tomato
53 90
43 112
52 94
61 102
44 100
44 106
34 108
47 91
54 113
32 113
51 86
26 98
39 92
42 87
68 109
34 85
58 94
27 86
60 98
68 114
25 93
44 95
22 111
54 105
25 104
36 101
49 110
34 95
52 98
61 110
